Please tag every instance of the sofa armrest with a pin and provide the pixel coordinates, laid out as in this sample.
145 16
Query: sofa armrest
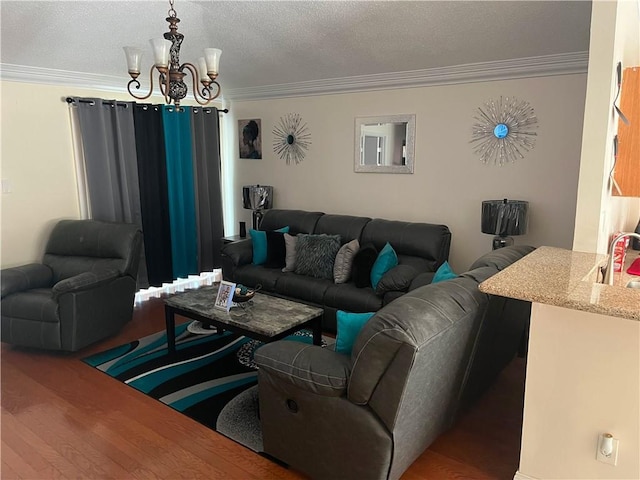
84 281
25 277
240 253
309 367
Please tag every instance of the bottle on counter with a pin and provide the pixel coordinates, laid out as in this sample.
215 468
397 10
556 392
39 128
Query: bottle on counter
635 243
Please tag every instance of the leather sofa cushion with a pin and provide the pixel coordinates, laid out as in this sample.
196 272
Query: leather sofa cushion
428 241
252 275
92 240
307 289
346 296
298 221
347 226
36 304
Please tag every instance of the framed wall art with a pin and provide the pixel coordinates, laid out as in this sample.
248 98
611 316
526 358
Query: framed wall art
504 131
250 138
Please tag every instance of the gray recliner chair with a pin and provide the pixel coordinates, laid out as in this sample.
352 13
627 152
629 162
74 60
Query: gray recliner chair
82 292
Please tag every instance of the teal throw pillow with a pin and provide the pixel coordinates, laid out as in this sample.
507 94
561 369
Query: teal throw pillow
444 273
387 259
259 241
349 326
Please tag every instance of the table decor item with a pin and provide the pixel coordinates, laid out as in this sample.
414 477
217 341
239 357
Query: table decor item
244 294
224 298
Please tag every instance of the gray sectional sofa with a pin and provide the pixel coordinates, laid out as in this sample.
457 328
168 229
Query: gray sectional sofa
422 246
414 366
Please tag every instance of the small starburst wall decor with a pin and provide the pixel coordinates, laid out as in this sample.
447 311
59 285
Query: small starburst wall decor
504 130
291 138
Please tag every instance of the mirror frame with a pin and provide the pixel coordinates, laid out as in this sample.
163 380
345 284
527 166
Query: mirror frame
410 120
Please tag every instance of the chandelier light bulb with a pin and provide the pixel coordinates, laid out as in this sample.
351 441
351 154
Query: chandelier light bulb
161 48
202 68
212 57
134 58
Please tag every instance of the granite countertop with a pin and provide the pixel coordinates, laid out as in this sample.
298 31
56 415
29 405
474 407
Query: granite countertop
564 278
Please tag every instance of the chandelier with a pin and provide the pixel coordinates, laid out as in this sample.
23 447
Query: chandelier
166 53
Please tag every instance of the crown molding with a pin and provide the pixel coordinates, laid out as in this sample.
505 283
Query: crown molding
51 76
542 66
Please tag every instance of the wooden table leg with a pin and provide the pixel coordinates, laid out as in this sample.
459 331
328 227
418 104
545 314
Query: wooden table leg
170 320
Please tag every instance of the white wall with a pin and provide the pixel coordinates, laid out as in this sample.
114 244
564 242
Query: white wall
583 379
37 162
449 182
615 37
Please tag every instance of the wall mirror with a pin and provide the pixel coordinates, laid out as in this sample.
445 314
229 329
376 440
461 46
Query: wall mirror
385 144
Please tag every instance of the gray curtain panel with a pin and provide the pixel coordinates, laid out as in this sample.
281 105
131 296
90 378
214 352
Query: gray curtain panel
109 145
206 171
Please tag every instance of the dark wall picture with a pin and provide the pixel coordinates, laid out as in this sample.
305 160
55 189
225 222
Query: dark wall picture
250 135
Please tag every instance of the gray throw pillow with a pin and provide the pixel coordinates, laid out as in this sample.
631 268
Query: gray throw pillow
344 261
290 242
316 255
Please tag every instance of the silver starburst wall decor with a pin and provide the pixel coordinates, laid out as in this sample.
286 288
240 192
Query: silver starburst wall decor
291 138
504 130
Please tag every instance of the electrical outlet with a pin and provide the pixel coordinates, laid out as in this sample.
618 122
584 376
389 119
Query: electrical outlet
611 459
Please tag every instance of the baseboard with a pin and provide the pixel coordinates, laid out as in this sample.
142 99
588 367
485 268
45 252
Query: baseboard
522 476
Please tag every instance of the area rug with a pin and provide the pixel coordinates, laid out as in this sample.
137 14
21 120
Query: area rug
211 378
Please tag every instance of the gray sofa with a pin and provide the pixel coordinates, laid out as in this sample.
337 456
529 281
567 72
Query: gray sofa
415 364
422 246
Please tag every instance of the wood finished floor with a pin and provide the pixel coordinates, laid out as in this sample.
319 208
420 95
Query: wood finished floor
64 419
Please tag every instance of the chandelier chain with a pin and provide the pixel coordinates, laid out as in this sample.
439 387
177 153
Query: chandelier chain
172 13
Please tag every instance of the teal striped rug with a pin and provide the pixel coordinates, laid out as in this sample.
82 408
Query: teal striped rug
209 379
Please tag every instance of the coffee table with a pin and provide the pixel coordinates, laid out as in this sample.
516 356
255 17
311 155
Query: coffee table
266 319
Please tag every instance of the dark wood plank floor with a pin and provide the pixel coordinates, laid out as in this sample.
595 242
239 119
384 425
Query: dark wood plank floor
64 419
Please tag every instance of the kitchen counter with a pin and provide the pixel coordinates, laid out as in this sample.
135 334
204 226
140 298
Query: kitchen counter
564 278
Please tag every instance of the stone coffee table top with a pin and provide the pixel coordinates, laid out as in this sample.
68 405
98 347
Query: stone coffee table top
265 315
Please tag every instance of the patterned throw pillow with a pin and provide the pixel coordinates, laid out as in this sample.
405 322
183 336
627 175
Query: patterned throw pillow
316 255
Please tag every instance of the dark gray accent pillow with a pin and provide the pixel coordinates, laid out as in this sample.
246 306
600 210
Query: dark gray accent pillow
316 255
397 279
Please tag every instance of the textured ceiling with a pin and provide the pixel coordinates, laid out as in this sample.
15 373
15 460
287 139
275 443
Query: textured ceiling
267 43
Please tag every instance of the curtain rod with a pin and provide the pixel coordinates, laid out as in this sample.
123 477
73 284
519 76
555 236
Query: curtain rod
123 104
